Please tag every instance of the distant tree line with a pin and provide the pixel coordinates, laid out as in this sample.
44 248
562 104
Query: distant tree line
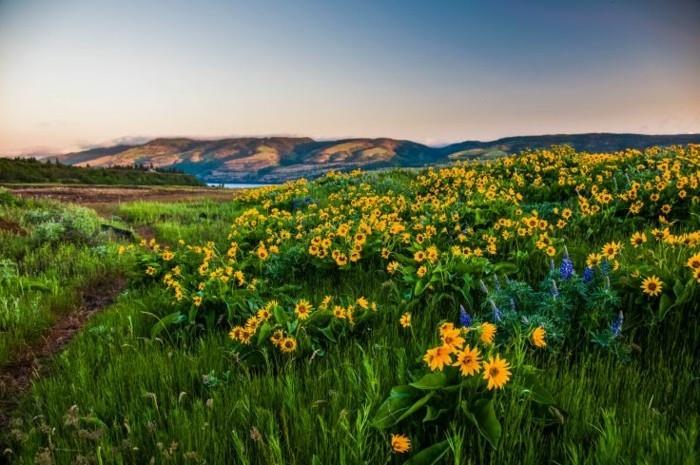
31 170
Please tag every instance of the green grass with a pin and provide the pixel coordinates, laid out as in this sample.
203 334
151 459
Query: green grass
43 272
130 398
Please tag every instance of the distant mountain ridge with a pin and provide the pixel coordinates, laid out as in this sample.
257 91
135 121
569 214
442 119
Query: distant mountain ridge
276 159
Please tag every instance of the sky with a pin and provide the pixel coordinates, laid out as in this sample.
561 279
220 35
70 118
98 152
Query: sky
80 73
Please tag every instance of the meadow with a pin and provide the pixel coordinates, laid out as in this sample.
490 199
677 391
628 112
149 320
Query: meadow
536 308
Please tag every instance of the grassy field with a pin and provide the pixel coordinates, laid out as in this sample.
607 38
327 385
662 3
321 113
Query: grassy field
349 320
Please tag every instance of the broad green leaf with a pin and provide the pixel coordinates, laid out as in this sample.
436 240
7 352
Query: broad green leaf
431 381
416 406
400 399
483 415
430 455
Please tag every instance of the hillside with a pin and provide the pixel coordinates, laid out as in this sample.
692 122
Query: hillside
275 159
35 171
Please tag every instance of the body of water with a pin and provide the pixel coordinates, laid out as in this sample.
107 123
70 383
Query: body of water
236 185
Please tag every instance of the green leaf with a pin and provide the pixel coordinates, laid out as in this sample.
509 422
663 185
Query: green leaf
400 399
430 455
265 331
280 315
416 406
433 413
431 381
530 384
483 415
165 322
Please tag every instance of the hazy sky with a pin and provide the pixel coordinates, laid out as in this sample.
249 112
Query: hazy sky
80 72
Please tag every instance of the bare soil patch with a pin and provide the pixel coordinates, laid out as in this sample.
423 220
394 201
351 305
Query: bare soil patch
12 227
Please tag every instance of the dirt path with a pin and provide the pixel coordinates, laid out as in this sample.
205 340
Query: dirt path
16 376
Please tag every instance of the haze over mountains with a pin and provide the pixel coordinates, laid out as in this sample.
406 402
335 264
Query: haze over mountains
276 159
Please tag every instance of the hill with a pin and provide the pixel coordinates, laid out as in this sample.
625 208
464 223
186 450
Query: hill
275 159
28 170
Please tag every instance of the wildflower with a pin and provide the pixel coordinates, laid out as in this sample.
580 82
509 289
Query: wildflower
616 326
468 361
537 337
400 443
652 286
288 345
197 301
405 320
694 262
587 275
235 333
262 252
465 319
421 271
566 268
611 249
277 337
488 333
438 357
638 239
363 302
339 312
392 267
593 260
303 309
496 372
452 338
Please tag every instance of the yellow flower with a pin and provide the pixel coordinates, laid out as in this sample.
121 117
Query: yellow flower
262 252
452 338
197 301
488 333
611 249
652 286
538 336
303 309
405 320
694 262
438 357
363 302
288 345
593 260
400 443
638 239
468 361
496 372
277 337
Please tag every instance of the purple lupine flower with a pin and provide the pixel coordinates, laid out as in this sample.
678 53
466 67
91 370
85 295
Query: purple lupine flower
497 315
551 265
605 267
512 304
465 319
496 282
616 326
588 275
566 268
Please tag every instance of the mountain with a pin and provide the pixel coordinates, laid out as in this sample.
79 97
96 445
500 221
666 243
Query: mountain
275 159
